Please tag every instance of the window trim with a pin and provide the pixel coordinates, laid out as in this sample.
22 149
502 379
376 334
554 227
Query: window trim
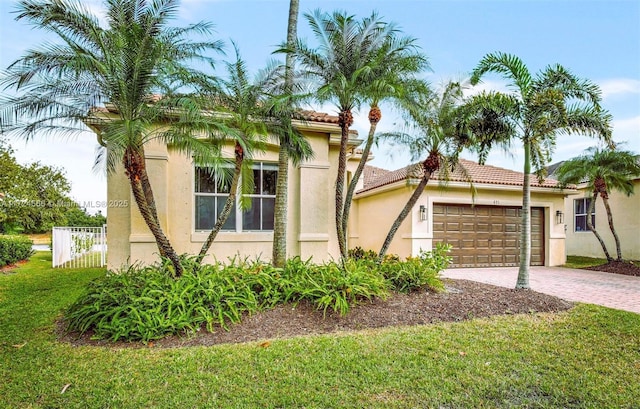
239 214
586 202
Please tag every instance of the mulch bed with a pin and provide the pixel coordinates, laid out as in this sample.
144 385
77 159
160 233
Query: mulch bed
8 269
463 300
618 267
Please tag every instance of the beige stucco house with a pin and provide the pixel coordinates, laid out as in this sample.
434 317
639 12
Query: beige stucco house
483 230
187 198
626 219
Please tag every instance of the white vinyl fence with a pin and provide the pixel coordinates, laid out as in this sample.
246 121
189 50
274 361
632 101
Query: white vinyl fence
79 247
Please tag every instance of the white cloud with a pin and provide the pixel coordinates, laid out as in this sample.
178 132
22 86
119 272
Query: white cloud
618 86
488 85
628 130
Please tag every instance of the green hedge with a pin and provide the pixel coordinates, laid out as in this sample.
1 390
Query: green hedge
14 248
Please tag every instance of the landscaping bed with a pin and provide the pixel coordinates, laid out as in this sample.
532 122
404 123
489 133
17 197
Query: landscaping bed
462 300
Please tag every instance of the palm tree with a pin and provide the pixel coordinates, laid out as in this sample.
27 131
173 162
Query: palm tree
436 121
124 64
394 70
341 65
241 105
540 108
250 112
603 170
279 255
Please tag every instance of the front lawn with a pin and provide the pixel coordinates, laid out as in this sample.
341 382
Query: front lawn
586 357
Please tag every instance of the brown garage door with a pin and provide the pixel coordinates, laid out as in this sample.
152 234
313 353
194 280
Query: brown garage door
487 236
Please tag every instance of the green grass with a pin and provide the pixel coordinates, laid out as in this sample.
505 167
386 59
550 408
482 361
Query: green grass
588 357
582 262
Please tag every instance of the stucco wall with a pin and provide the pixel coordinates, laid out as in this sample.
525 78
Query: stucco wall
311 226
378 209
626 220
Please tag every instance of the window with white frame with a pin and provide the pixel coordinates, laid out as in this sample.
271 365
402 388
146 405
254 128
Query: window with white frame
212 191
580 209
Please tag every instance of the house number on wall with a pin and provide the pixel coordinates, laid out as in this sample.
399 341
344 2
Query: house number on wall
496 202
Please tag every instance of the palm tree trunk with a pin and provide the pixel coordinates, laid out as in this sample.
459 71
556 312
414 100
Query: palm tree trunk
345 120
354 180
228 206
279 255
135 166
591 227
525 237
403 214
605 200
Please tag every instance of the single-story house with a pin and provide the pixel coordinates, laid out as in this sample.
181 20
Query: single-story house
483 230
188 198
626 220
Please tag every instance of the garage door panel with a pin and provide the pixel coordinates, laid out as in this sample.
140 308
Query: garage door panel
486 235
452 226
511 227
511 212
468 244
468 226
484 243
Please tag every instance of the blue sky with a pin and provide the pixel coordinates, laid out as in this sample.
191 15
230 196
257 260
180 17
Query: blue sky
595 39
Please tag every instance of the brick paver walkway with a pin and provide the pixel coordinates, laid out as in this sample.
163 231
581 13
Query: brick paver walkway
594 287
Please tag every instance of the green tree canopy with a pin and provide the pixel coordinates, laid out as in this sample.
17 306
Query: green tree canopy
33 197
123 62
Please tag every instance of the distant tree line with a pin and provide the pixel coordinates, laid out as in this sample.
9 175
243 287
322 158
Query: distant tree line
35 197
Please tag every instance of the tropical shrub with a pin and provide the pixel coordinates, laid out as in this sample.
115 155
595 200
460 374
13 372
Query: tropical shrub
14 248
417 272
147 303
332 285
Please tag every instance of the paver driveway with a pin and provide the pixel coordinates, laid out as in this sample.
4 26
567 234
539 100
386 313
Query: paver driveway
594 287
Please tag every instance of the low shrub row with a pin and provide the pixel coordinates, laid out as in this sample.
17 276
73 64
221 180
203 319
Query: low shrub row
14 248
146 303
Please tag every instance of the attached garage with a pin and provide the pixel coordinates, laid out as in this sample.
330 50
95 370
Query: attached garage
481 220
487 236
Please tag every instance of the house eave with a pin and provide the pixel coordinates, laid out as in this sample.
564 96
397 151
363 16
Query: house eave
435 184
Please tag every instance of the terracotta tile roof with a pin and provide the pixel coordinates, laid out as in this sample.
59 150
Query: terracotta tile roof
485 174
372 173
303 115
314 116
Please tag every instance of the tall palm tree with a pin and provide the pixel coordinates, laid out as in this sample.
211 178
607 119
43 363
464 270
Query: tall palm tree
250 112
540 108
395 68
603 170
137 54
279 255
241 105
435 126
340 66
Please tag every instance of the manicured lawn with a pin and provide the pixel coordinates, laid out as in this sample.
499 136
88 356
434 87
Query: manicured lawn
586 357
582 262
